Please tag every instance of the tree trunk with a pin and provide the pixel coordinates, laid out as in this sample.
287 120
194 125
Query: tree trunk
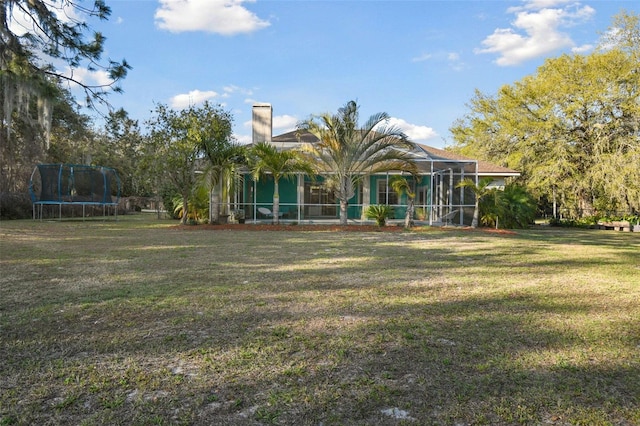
214 212
408 217
276 203
344 196
185 209
343 211
476 214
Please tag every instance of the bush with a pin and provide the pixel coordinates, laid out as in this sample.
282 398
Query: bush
15 206
379 213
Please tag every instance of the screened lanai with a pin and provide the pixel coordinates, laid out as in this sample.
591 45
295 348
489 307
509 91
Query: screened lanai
304 199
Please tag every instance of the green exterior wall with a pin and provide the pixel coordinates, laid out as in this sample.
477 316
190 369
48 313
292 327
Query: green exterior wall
288 195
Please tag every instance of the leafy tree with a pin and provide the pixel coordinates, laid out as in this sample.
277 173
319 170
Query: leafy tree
73 140
265 159
175 149
35 37
402 186
38 38
185 144
346 152
571 129
480 191
121 148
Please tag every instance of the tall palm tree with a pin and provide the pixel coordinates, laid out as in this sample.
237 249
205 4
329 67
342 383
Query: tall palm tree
264 158
480 190
401 186
346 153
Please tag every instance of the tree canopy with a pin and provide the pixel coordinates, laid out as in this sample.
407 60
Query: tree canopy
37 34
184 143
572 129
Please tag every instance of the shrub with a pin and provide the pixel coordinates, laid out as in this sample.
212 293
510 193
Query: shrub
15 206
379 213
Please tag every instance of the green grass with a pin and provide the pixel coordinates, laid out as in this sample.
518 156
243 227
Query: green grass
139 322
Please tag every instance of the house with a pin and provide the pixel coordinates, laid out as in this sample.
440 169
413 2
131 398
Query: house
303 199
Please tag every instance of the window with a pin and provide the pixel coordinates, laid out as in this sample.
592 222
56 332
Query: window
386 194
319 202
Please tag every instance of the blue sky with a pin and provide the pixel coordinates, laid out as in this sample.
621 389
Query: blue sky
419 61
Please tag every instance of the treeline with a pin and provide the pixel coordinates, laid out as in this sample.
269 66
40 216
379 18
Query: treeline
572 129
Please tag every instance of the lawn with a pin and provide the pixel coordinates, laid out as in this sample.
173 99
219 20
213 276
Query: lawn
137 321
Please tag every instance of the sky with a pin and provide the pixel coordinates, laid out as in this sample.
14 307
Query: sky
418 61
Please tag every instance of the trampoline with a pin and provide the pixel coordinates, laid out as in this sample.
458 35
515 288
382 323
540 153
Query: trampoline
74 185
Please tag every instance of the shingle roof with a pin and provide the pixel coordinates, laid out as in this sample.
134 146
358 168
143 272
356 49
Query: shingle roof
304 137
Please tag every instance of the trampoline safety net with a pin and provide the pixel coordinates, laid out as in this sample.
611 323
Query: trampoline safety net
69 184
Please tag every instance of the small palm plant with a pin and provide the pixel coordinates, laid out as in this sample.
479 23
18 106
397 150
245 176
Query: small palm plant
402 186
379 213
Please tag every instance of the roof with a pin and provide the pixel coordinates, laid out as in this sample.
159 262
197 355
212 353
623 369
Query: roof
485 168
296 136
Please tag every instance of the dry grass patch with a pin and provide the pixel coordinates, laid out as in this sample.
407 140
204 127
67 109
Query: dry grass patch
139 322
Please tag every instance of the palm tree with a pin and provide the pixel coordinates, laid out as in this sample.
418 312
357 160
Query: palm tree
518 207
480 190
401 186
264 158
220 174
345 153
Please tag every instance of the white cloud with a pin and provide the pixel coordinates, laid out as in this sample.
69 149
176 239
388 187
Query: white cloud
244 139
452 58
194 97
421 58
538 4
536 30
226 17
583 49
415 132
87 77
284 123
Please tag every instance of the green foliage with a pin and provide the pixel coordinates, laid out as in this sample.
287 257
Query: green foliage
510 208
29 62
167 195
198 205
121 148
179 139
380 213
402 186
518 207
39 121
224 156
571 129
